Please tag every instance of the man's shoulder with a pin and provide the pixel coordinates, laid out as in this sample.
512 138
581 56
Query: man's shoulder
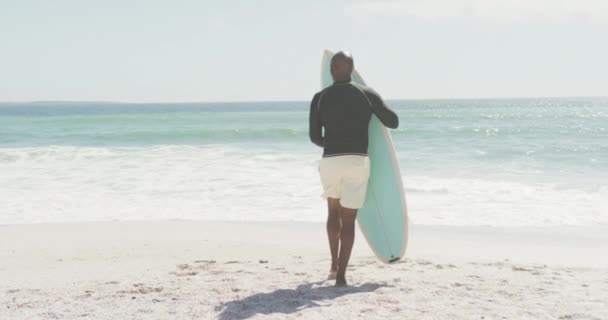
370 92
318 94
367 90
317 97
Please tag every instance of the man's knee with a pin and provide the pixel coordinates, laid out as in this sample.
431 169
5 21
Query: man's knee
333 206
348 214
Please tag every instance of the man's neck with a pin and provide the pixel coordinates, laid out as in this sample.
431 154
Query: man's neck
342 81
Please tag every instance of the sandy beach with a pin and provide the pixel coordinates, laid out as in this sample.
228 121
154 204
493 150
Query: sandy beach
173 160
276 270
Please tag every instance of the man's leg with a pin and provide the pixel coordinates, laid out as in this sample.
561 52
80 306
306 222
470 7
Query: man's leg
333 233
347 238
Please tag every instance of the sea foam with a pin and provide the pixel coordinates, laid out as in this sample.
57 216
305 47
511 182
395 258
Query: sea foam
231 182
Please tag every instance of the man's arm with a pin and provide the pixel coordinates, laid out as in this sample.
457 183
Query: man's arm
315 126
387 116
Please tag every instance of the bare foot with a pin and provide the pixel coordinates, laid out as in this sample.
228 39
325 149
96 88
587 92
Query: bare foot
332 275
341 281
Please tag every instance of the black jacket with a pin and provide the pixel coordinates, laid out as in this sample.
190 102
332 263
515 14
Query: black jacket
344 110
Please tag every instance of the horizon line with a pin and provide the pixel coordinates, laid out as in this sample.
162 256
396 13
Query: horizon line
290 100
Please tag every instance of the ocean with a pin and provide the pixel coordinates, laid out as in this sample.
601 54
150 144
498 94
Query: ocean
496 162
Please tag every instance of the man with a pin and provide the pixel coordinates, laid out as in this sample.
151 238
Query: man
344 110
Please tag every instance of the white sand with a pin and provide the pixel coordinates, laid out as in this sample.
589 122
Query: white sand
209 270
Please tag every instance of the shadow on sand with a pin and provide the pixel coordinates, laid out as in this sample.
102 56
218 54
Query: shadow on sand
287 301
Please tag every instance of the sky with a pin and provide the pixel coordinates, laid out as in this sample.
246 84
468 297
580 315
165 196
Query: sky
178 51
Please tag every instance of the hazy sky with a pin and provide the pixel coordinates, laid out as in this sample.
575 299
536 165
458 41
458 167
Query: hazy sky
153 50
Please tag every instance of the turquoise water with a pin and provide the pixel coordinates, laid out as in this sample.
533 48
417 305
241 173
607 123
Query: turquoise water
528 135
558 148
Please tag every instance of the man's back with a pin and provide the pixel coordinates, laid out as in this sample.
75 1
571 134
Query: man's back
344 110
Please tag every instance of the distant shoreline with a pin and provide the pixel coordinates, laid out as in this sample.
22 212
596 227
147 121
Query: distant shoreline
50 102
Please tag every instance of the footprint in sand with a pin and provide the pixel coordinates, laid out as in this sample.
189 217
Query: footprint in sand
203 264
516 268
184 274
186 270
205 261
578 316
387 300
142 288
244 271
83 296
504 293
49 315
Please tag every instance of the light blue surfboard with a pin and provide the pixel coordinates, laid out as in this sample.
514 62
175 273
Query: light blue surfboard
383 218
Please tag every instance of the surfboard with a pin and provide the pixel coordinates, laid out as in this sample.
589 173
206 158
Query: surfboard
383 219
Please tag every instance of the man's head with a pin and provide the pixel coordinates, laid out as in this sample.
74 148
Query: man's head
342 66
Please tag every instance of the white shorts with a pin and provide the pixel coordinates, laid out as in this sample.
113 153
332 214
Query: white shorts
345 178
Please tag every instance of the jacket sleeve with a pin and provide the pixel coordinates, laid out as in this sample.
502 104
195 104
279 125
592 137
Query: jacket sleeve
387 116
315 126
